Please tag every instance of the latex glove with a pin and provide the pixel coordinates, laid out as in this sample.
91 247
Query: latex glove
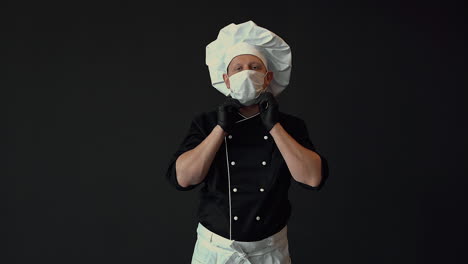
269 109
226 113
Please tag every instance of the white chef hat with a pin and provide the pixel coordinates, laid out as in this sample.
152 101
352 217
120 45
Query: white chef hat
248 38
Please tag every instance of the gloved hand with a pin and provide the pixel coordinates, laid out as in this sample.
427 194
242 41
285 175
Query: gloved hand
226 113
269 109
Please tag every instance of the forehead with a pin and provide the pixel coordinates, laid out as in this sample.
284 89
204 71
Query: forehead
245 59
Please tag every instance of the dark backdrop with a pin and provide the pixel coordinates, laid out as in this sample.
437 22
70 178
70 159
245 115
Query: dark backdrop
98 97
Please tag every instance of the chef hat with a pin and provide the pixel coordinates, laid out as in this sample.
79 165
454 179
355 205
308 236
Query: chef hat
248 38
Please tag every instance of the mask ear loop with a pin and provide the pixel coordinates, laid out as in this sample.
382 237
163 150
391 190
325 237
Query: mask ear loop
267 86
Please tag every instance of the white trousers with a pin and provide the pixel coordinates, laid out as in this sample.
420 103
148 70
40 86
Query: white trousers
212 248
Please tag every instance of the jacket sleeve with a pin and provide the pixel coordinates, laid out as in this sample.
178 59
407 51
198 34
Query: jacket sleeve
192 139
304 140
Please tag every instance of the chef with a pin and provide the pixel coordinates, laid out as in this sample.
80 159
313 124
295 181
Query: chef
246 152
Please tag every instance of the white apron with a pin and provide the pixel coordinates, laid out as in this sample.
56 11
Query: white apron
212 248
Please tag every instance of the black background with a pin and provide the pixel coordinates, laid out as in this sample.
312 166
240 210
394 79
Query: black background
99 96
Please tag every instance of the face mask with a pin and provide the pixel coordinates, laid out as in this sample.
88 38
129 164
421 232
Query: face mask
246 86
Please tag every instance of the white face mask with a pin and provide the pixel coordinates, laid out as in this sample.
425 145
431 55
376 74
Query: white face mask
246 86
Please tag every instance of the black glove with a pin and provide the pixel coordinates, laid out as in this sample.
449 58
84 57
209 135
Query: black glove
226 113
269 109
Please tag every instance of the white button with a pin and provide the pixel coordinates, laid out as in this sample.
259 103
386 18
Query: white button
233 163
264 162
234 190
265 137
235 218
258 218
230 136
261 189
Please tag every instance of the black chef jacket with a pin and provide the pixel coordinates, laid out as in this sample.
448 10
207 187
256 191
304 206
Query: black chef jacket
244 196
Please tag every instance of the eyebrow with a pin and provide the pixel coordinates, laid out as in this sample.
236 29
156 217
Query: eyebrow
251 63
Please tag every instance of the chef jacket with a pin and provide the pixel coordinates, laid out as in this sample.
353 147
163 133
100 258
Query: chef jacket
244 196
